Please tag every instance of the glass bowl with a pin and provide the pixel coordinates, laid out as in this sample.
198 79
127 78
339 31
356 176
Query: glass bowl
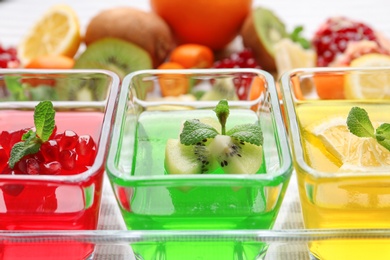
152 199
84 102
343 179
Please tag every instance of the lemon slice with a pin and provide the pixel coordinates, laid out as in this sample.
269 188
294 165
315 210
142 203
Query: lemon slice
360 85
57 32
290 55
355 153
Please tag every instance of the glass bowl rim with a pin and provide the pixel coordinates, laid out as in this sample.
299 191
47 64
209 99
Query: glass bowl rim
106 126
285 168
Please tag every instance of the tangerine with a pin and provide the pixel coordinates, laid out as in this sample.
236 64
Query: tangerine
212 23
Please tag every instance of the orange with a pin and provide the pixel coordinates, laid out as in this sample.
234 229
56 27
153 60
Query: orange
214 23
193 56
51 62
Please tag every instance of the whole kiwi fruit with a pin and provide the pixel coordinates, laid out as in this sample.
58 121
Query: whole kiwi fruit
145 29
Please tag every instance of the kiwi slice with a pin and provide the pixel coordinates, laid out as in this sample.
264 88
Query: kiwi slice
223 88
235 156
261 30
188 159
116 55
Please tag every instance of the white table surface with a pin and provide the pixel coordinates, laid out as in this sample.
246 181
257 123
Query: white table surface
17 16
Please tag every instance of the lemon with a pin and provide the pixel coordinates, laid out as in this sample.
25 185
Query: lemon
362 154
360 85
57 32
290 55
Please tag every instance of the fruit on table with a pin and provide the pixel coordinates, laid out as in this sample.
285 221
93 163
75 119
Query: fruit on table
173 84
119 56
333 36
51 62
261 30
8 57
145 29
365 86
242 59
57 32
195 56
212 23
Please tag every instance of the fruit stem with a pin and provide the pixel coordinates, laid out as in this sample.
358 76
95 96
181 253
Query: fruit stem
222 112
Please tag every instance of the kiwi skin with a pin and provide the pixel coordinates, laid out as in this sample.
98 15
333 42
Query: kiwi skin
145 29
251 35
115 55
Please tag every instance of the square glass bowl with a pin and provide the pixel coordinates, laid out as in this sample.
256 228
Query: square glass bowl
343 180
151 199
84 101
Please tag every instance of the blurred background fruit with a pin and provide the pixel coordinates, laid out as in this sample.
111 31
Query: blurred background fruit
8 57
114 54
261 30
57 32
51 62
212 23
145 29
192 55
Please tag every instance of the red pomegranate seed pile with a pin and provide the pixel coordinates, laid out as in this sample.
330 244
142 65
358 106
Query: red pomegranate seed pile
64 153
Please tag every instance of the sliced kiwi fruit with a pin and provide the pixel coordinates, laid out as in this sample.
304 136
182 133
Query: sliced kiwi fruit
223 88
114 54
235 156
188 159
261 30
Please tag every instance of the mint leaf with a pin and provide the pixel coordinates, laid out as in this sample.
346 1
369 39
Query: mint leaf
195 131
32 140
359 123
382 135
27 136
44 120
21 149
249 133
296 36
222 112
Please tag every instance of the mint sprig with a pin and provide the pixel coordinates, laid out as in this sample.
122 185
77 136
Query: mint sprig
195 131
359 124
31 142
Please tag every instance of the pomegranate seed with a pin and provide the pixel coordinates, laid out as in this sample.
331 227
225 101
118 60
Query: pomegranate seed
68 159
51 168
54 133
32 166
3 159
8 56
86 150
16 136
68 140
20 167
50 150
